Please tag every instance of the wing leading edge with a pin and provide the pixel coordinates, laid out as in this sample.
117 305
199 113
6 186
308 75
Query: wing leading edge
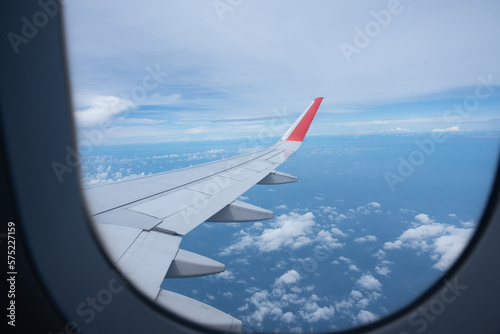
142 221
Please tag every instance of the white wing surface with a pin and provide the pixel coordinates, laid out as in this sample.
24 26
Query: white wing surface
142 221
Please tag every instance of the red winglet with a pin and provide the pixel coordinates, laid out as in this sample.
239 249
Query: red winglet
300 130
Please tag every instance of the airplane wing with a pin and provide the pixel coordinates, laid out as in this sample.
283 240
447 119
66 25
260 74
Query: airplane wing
142 221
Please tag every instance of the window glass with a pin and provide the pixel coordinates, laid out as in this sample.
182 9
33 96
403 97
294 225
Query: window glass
394 173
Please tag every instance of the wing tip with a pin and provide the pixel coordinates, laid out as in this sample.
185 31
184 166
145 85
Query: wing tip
300 130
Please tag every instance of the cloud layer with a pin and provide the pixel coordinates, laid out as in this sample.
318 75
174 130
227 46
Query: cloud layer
443 242
213 69
291 230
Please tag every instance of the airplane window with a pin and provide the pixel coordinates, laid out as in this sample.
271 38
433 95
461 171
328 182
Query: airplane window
393 174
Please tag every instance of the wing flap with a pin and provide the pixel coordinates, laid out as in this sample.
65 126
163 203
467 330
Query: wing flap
239 173
214 185
146 261
259 165
170 203
126 217
117 239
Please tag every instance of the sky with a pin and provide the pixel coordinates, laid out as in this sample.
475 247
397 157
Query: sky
160 85
197 70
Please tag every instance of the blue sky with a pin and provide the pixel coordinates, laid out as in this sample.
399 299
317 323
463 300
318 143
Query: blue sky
167 70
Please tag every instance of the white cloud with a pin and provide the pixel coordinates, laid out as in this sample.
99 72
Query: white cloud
172 155
325 238
290 277
382 271
257 226
417 237
423 218
469 223
288 317
196 130
380 254
329 209
356 294
310 288
106 174
450 246
241 260
392 245
292 230
366 238
101 109
357 301
353 267
282 303
312 312
366 209
139 121
282 206
443 242
345 259
276 313
341 217
243 308
225 275
365 316
450 129
263 307
369 282
337 232
398 129
403 210
362 303
244 242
